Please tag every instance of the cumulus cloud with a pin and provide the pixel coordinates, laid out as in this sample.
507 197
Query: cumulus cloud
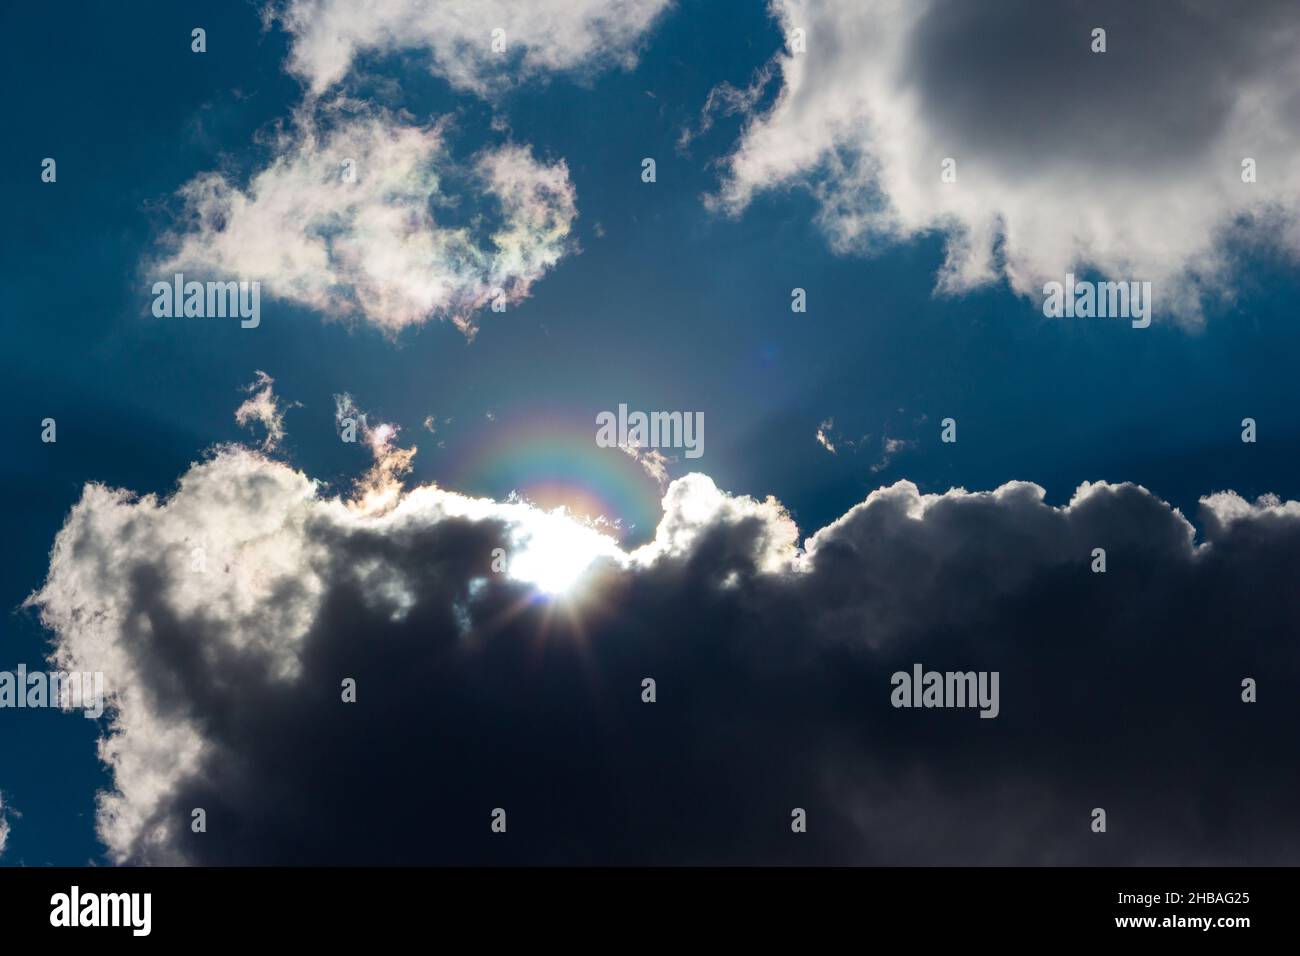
499 652
540 37
1127 162
353 217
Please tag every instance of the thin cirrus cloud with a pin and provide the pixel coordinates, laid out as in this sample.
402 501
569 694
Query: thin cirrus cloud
1127 162
347 219
772 662
540 37
4 826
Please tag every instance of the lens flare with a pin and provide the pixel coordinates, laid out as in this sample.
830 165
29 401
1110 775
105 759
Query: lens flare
553 551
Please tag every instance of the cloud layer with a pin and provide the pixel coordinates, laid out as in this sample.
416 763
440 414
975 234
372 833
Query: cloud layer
540 37
1127 162
772 663
351 218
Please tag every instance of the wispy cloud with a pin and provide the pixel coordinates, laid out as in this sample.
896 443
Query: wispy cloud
824 435
263 407
381 487
4 825
889 447
652 460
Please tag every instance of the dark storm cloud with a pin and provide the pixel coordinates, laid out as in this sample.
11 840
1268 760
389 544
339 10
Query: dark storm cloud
1018 78
1118 690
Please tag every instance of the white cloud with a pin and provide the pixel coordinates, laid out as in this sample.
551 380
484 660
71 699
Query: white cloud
4 826
823 435
652 460
1128 162
264 408
380 489
1225 508
889 447
541 37
693 504
341 221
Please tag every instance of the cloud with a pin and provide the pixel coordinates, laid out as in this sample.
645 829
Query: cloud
484 685
264 408
541 37
889 447
726 100
1127 162
4 826
353 217
823 435
380 489
652 460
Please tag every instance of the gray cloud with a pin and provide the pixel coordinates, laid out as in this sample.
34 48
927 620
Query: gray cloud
1162 95
1126 162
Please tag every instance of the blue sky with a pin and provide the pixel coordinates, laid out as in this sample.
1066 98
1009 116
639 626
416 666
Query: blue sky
660 302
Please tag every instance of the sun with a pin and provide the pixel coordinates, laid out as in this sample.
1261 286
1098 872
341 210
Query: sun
553 552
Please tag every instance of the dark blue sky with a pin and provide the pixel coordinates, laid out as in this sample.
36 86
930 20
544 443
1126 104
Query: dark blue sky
667 305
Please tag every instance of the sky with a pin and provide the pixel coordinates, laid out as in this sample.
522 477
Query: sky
388 179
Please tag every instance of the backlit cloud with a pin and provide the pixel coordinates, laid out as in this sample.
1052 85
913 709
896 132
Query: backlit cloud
499 652
351 217
1127 162
4 826
264 408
